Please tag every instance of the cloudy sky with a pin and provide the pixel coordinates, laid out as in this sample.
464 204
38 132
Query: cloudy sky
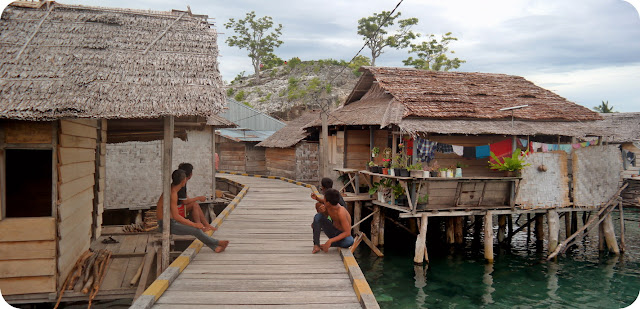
584 50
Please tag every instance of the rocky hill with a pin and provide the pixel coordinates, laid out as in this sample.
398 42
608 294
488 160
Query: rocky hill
287 90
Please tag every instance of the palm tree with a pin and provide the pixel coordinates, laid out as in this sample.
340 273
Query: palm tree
604 108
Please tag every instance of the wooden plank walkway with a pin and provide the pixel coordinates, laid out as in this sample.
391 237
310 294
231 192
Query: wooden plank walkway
268 263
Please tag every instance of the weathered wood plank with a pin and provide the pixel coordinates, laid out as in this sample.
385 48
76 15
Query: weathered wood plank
27 268
70 172
257 298
80 203
77 129
28 132
70 189
253 285
27 250
71 141
27 285
27 229
74 155
353 305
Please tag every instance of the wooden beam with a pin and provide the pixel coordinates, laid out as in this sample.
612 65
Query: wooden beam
3 189
167 158
146 270
421 249
554 229
159 37
488 237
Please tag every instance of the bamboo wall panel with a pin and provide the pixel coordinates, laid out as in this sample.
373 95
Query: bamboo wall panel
596 174
28 132
545 189
306 162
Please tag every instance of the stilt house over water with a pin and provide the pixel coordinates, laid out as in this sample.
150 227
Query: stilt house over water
449 120
72 79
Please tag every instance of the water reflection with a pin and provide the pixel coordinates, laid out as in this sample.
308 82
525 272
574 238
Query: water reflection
487 279
420 282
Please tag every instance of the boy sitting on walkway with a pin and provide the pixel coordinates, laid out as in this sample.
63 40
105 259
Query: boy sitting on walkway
191 204
179 225
338 229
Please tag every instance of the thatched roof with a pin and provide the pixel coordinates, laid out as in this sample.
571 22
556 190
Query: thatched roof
76 61
455 95
619 127
292 133
415 126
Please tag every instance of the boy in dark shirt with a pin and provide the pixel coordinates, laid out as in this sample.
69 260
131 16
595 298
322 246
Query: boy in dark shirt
191 204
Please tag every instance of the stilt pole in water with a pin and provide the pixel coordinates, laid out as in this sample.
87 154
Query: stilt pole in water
449 229
554 229
502 228
421 248
375 225
381 234
610 235
488 237
567 225
539 228
357 214
622 245
458 224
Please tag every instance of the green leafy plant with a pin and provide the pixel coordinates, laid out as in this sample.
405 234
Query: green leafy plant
386 157
384 183
415 167
398 190
461 165
375 151
424 199
371 163
509 164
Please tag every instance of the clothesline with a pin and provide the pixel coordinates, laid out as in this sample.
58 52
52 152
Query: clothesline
426 149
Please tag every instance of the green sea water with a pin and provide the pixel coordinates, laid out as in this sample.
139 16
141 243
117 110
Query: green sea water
518 278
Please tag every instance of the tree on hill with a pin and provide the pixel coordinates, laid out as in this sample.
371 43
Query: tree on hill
604 108
251 33
432 54
377 41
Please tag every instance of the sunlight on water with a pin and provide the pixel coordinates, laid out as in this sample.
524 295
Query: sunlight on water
519 278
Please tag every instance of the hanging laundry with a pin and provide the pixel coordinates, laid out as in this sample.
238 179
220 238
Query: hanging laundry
482 151
425 149
444 148
502 149
566 147
576 146
408 145
469 152
535 146
545 148
584 144
524 142
459 150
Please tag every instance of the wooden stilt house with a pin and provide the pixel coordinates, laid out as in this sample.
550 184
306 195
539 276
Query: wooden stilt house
292 153
74 77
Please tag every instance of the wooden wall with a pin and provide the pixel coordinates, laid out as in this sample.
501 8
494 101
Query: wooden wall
76 179
358 153
281 162
100 178
27 245
255 159
232 154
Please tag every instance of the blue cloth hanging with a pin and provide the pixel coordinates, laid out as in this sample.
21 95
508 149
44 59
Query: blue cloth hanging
482 151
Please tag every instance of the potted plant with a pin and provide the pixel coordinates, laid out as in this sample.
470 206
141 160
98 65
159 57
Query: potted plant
459 166
415 170
398 195
373 167
423 201
400 161
386 160
510 165
383 188
443 172
434 169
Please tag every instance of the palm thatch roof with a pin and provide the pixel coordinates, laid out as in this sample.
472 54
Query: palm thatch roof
419 101
76 61
451 95
292 133
619 127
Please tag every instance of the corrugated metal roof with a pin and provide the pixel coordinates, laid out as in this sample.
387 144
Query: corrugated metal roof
250 118
245 135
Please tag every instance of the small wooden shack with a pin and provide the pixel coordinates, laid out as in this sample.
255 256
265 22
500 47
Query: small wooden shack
292 153
71 73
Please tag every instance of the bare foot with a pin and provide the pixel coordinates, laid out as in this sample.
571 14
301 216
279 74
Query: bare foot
325 248
221 246
316 249
209 227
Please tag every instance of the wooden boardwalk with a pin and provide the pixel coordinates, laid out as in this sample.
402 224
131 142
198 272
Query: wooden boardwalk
268 263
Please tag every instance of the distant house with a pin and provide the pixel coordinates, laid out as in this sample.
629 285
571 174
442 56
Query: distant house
291 153
623 129
237 146
74 78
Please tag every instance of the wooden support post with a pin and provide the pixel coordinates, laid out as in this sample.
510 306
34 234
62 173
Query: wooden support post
477 228
166 185
502 228
325 144
357 214
375 225
213 170
610 235
510 225
449 229
567 225
528 229
381 235
554 229
574 222
539 228
601 241
421 247
488 237
458 224
621 210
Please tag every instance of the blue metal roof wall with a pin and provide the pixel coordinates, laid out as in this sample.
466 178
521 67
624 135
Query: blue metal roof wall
247 117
